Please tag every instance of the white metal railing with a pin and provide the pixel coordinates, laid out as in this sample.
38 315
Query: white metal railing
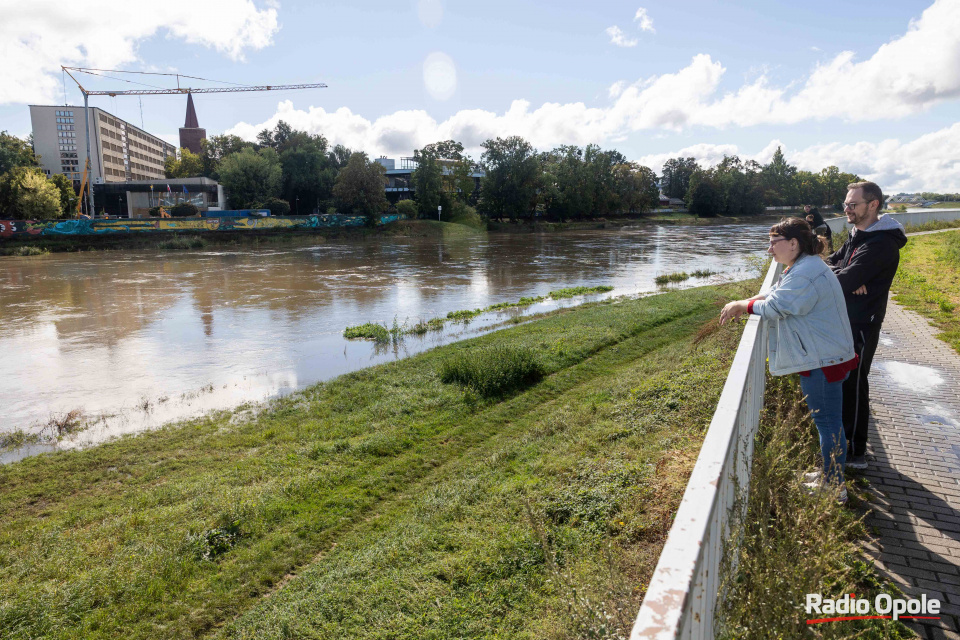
682 595
911 217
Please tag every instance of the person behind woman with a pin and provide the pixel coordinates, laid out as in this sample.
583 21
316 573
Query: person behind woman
819 225
809 333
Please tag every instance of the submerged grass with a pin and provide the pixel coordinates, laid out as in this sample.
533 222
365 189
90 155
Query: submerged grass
25 250
791 544
380 333
180 243
368 331
385 503
667 278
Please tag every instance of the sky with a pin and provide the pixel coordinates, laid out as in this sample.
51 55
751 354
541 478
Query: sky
873 88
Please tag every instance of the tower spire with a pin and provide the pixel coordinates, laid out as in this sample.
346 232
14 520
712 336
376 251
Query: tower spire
191 134
191 120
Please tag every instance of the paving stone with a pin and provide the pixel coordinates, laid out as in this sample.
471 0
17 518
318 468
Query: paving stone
914 472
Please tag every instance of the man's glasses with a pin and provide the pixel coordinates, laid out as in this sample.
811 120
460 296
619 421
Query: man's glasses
854 205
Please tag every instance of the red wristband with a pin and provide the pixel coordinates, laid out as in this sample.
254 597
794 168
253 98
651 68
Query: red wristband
750 306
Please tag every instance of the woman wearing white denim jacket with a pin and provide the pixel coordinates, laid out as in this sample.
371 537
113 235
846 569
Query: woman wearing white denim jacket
809 333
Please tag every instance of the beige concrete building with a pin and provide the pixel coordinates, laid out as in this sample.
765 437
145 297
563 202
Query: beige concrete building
120 152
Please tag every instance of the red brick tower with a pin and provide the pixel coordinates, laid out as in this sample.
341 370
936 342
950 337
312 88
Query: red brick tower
190 133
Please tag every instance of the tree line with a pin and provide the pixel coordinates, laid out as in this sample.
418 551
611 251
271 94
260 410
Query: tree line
294 172
735 187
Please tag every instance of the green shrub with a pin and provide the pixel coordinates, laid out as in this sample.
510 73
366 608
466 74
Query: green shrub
494 371
407 208
466 215
184 210
179 243
368 331
277 206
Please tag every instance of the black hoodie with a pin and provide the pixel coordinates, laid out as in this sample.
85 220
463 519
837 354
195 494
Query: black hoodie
869 258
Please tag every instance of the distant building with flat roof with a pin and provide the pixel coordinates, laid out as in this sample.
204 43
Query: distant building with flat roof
119 151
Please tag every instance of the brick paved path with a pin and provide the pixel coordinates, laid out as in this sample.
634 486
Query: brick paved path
914 456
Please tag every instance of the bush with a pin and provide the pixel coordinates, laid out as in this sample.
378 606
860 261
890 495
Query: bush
277 206
407 208
466 215
331 211
184 210
495 371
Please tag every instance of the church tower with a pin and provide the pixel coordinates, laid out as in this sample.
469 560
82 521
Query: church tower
190 133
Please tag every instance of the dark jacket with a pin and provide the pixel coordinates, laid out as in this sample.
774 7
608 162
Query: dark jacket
870 258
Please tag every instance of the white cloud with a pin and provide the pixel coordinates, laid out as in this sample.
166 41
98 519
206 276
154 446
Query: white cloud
924 164
646 24
619 38
616 89
36 37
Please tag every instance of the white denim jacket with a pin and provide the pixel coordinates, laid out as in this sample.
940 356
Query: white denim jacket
809 327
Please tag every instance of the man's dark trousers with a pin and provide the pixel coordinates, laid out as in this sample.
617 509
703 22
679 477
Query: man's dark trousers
856 388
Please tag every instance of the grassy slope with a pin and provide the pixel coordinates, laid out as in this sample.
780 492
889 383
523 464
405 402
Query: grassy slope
928 281
397 499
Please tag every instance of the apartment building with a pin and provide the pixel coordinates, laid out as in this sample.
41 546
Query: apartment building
120 152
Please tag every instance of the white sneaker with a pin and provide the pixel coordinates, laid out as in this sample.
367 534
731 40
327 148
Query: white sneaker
813 488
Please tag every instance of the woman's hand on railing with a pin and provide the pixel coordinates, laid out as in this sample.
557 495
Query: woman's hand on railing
733 310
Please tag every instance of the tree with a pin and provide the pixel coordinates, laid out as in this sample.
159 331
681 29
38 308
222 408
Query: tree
308 171
509 187
276 139
739 187
778 181
427 181
26 194
15 152
359 187
215 149
703 196
250 176
636 188
676 176
68 197
188 165
340 156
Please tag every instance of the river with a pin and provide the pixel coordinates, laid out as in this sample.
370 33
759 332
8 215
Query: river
135 339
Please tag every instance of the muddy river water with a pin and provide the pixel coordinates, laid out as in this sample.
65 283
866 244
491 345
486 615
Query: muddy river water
131 340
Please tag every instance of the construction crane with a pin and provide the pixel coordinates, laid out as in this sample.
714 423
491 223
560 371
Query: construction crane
155 92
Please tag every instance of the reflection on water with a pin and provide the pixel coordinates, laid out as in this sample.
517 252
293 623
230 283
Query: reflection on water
140 338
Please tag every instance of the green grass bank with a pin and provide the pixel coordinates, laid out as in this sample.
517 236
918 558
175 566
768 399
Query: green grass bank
928 281
387 503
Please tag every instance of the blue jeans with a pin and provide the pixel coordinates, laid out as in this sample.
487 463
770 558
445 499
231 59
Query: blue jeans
825 400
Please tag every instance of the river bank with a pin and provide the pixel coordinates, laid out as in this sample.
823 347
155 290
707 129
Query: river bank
385 501
186 240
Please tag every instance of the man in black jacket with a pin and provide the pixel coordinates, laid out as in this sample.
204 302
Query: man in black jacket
865 266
